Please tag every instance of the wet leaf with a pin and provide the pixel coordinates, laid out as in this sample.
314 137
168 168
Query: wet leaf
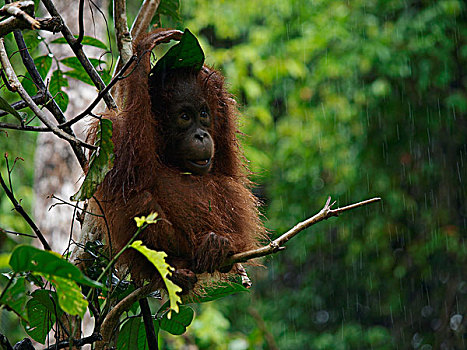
100 164
158 260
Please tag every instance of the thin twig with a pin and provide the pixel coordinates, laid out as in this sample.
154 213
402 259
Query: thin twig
38 99
112 318
23 213
76 342
89 109
79 53
17 233
36 110
80 37
51 105
278 244
24 128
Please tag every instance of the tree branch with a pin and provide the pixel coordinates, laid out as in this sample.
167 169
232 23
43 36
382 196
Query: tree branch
38 99
112 318
122 33
51 105
14 82
25 215
141 23
24 128
76 342
88 110
22 17
151 336
278 244
111 321
144 17
79 53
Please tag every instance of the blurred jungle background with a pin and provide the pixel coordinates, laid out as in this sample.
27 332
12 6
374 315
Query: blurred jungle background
352 99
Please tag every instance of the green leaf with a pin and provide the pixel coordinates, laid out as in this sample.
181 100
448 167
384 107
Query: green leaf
26 258
133 335
158 260
101 162
57 82
73 62
170 8
4 105
187 53
40 319
179 321
217 291
43 64
70 298
15 297
49 299
87 40
79 74
28 84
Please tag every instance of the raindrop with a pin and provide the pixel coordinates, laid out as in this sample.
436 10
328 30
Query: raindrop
417 340
463 287
321 317
443 277
445 346
435 324
455 322
39 37
50 54
427 311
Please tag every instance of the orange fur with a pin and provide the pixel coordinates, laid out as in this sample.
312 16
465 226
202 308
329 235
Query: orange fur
191 206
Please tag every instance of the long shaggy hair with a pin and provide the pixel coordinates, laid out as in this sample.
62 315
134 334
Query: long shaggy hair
191 206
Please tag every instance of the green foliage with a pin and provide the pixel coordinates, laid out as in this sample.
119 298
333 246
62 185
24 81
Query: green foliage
165 270
132 335
42 309
4 105
352 99
185 54
176 324
30 259
87 40
100 163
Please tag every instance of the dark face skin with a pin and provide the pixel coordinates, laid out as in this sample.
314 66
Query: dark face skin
190 146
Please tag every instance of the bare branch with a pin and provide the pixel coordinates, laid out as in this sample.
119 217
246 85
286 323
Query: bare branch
80 37
151 337
22 17
122 33
39 99
24 127
91 339
23 10
112 318
51 105
144 17
23 213
140 25
278 244
79 53
88 110
14 82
